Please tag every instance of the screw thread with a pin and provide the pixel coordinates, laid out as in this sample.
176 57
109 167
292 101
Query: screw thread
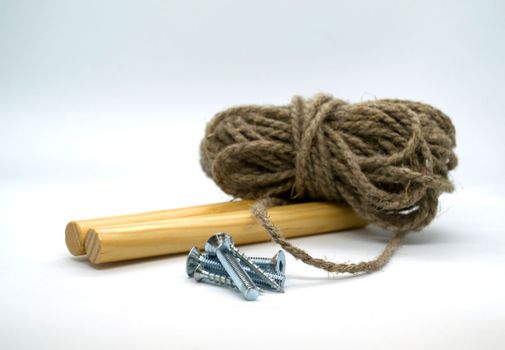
219 279
241 274
265 264
211 263
259 260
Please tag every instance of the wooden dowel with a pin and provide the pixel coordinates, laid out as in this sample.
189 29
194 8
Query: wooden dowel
133 241
76 231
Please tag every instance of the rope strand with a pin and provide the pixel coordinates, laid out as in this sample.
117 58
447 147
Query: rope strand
259 210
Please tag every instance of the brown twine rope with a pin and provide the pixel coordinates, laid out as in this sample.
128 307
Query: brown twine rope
388 159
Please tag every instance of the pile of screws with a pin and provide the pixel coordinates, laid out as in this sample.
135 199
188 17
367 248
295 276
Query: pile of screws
224 265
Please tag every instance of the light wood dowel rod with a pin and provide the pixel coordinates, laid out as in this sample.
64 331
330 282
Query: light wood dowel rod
178 235
76 231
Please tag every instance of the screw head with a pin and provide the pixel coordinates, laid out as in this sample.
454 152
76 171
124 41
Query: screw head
199 273
279 260
218 241
192 261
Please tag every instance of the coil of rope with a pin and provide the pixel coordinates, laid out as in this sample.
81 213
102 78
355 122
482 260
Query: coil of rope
388 159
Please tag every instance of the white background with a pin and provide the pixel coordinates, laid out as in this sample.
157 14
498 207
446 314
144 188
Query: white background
102 108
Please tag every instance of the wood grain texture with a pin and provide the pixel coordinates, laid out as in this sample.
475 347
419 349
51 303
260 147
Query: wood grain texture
178 235
76 231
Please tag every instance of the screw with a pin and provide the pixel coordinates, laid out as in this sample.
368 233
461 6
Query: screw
274 265
211 263
217 245
201 274
193 260
215 277
226 240
277 263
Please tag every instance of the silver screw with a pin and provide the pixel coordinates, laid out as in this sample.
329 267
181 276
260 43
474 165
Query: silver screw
201 274
219 245
275 264
195 258
244 259
211 263
219 278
